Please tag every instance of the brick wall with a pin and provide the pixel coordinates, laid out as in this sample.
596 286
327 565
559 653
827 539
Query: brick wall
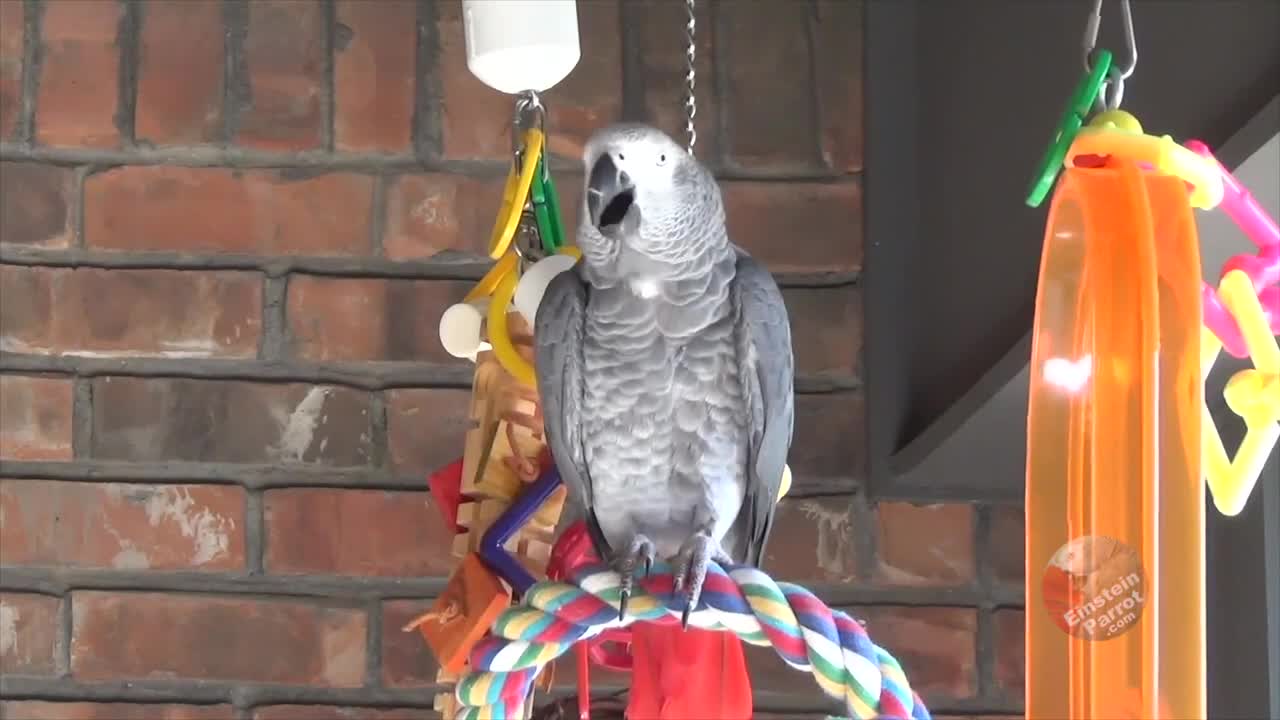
227 230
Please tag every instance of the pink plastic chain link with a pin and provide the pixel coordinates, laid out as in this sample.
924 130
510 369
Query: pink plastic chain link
1263 268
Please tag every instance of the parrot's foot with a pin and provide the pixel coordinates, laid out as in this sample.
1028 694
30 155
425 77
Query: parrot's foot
691 569
640 551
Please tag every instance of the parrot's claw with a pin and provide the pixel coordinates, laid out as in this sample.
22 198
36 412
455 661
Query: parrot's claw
640 551
691 571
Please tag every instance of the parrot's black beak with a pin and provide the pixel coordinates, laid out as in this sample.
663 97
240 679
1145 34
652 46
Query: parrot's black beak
610 194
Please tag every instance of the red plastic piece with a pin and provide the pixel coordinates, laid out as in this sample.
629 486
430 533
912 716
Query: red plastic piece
678 673
446 489
611 648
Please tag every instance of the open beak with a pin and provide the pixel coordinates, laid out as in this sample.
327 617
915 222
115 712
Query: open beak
610 194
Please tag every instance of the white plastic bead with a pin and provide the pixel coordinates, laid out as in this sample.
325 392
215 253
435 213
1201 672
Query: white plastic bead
460 329
533 283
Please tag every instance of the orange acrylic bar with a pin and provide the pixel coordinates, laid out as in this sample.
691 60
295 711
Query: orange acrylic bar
1115 498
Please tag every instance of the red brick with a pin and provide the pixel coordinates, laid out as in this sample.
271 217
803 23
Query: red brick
334 712
477 118
926 544
813 541
826 328
407 661
935 645
838 48
40 710
215 638
433 213
12 24
35 418
285 55
28 631
374 68
180 73
122 526
663 67
797 227
355 532
830 437
35 205
129 313
78 97
1006 544
159 419
1010 627
770 100
216 210
425 429
345 319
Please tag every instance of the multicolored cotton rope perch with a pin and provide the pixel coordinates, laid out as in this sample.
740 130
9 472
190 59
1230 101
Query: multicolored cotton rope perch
805 633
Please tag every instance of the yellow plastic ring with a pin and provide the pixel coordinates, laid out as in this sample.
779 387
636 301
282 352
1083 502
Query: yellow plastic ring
490 281
1162 153
515 194
500 336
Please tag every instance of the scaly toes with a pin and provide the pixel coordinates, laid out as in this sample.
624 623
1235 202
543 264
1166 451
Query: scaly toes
640 550
691 571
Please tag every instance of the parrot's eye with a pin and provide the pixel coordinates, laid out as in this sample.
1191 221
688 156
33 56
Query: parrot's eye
662 159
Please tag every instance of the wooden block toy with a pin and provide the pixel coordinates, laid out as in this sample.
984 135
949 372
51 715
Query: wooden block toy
483 418
463 613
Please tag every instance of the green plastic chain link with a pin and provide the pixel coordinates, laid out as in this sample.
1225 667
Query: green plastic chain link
546 208
1082 100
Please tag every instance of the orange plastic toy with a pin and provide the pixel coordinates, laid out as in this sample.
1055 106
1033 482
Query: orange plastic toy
1115 498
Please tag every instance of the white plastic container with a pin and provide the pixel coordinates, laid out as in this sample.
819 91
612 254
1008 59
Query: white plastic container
518 45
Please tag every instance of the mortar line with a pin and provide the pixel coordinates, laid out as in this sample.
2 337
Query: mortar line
226 156
367 376
720 47
274 342
257 476
75 208
634 81
328 95
62 643
255 538
236 91
82 418
815 87
428 123
377 222
32 60
984 643
378 429
128 33
373 644
443 267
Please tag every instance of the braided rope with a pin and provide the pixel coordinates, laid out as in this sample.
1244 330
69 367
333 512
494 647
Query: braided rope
805 633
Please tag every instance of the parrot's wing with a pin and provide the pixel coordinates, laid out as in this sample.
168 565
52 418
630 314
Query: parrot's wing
767 368
557 340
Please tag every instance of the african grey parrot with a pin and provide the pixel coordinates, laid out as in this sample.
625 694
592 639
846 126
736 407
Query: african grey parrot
665 368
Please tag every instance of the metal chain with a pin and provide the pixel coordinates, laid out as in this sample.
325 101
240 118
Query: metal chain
530 112
690 78
1091 38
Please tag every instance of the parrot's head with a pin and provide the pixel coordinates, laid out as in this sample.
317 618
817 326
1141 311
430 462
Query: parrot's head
650 207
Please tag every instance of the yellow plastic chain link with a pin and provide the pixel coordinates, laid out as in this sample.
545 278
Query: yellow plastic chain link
515 194
1253 394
